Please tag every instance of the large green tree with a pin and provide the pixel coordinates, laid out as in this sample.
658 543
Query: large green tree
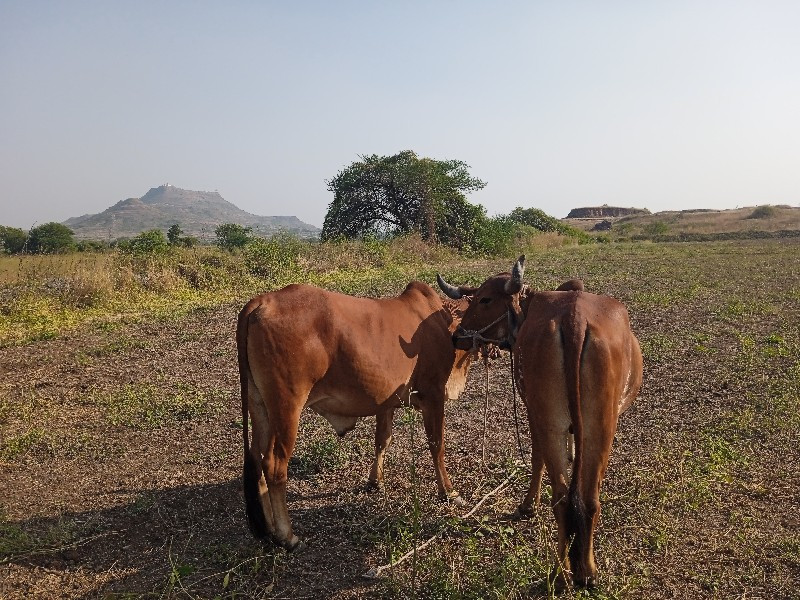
392 195
50 238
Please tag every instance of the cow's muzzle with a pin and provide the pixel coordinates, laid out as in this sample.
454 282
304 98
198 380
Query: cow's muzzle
469 339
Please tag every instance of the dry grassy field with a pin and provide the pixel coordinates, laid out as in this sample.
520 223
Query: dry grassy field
120 448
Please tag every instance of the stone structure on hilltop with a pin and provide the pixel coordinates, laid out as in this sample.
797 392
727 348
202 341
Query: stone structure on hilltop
605 212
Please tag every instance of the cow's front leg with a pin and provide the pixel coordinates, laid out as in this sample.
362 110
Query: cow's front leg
383 438
433 419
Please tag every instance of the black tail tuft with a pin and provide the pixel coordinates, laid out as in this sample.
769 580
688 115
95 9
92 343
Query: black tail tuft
579 531
252 499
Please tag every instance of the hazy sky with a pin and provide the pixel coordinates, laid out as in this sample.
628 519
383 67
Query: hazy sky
663 105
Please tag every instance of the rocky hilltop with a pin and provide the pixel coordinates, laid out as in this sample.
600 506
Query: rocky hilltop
197 213
605 212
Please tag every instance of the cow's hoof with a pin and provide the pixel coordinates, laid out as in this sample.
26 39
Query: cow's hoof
373 486
295 544
453 497
558 581
522 513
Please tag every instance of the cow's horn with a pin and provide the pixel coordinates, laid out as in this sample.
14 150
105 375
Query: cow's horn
514 285
450 291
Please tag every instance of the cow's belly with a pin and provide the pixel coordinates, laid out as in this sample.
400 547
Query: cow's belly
353 405
343 413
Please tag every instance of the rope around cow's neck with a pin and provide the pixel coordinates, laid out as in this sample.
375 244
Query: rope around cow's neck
477 336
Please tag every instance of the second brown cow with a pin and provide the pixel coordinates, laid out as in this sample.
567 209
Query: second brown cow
578 367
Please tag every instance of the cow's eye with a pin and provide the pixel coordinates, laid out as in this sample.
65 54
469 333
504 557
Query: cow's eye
485 300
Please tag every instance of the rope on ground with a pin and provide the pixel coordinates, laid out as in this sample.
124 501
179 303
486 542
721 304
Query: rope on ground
485 408
514 402
376 571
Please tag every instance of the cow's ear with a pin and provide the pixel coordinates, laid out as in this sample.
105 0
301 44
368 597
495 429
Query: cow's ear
514 285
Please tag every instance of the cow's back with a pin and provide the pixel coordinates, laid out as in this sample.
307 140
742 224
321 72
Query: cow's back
610 364
346 352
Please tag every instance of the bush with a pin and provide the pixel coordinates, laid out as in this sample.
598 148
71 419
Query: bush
656 228
763 212
231 235
275 258
496 236
92 246
541 221
189 241
149 242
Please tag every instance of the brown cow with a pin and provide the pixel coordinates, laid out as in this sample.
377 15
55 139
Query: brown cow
345 358
578 366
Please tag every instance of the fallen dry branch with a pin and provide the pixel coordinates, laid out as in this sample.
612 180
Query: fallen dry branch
376 571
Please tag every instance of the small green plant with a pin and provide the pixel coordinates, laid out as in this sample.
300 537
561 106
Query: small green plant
145 406
541 221
16 539
15 446
50 238
12 239
320 455
657 347
656 228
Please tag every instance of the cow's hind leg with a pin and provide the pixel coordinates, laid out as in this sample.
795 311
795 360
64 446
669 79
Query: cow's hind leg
584 505
281 439
554 453
383 438
257 503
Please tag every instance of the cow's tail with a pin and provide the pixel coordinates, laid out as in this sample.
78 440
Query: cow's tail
575 335
251 472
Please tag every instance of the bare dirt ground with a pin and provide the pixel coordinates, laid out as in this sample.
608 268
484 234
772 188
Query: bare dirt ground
121 457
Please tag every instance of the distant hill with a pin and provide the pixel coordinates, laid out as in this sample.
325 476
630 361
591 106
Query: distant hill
742 222
197 213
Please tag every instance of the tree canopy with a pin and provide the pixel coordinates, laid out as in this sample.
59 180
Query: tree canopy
12 239
151 241
392 195
174 234
49 238
232 235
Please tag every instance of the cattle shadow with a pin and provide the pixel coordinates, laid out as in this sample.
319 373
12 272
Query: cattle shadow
192 540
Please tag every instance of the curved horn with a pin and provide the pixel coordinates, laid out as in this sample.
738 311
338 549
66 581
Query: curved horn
514 285
450 291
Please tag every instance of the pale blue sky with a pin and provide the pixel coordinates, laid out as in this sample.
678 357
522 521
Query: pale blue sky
663 105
